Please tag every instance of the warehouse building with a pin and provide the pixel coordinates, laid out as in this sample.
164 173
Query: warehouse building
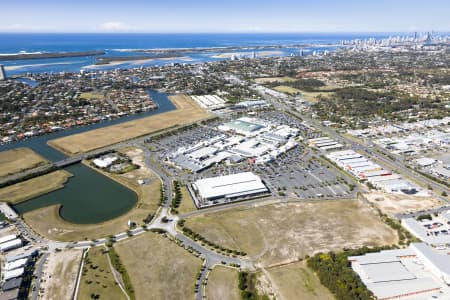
416 272
227 188
13 244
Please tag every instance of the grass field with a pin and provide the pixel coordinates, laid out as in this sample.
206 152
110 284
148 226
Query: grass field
48 222
92 96
159 269
223 284
287 89
63 268
282 233
187 204
312 97
18 160
187 112
97 277
34 187
296 281
263 80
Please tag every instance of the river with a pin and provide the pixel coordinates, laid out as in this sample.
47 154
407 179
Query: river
88 197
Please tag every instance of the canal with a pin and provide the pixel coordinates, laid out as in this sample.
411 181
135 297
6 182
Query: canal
88 197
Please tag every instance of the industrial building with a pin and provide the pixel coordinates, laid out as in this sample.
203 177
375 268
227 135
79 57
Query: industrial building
325 143
210 102
434 232
227 188
416 272
10 245
366 170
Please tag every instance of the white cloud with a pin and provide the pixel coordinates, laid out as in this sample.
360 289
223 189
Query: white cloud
114 26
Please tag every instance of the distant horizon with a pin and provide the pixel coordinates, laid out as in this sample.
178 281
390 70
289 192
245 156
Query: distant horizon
231 32
233 16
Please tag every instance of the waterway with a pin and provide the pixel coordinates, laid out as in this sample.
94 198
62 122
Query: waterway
88 197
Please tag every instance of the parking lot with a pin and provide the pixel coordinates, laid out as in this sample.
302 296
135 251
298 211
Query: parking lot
294 174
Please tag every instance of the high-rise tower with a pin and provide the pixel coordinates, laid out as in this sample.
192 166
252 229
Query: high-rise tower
2 73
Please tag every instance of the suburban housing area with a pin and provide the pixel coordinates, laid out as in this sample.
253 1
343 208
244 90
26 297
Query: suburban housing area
321 176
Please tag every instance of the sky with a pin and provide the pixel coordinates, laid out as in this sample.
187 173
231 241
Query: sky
181 16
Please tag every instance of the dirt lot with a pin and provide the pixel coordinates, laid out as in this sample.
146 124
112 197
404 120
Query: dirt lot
296 281
97 278
158 268
60 274
187 112
282 233
392 204
20 159
34 187
223 284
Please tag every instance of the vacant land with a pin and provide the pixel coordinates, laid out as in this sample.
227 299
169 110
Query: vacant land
287 89
187 112
392 203
34 187
158 268
187 204
263 80
47 221
93 96
282 233
296 281
313 97
61 270
223 284
97 278
18 160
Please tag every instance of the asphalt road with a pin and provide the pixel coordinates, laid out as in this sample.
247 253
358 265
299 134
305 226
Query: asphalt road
38 274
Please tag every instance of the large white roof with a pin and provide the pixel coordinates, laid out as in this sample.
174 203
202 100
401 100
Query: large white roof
391 289
240 184
386 271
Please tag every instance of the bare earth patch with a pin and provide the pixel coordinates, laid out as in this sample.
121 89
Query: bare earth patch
392 203
223 284
187 112
282 233
296 281
61 273
18 160
158 268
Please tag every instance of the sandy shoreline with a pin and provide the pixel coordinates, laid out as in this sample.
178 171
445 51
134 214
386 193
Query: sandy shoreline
14 68
133 62
248 54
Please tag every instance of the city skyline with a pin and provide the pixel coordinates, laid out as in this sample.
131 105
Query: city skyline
175 16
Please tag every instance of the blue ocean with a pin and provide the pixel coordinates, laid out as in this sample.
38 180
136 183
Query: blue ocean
129 44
